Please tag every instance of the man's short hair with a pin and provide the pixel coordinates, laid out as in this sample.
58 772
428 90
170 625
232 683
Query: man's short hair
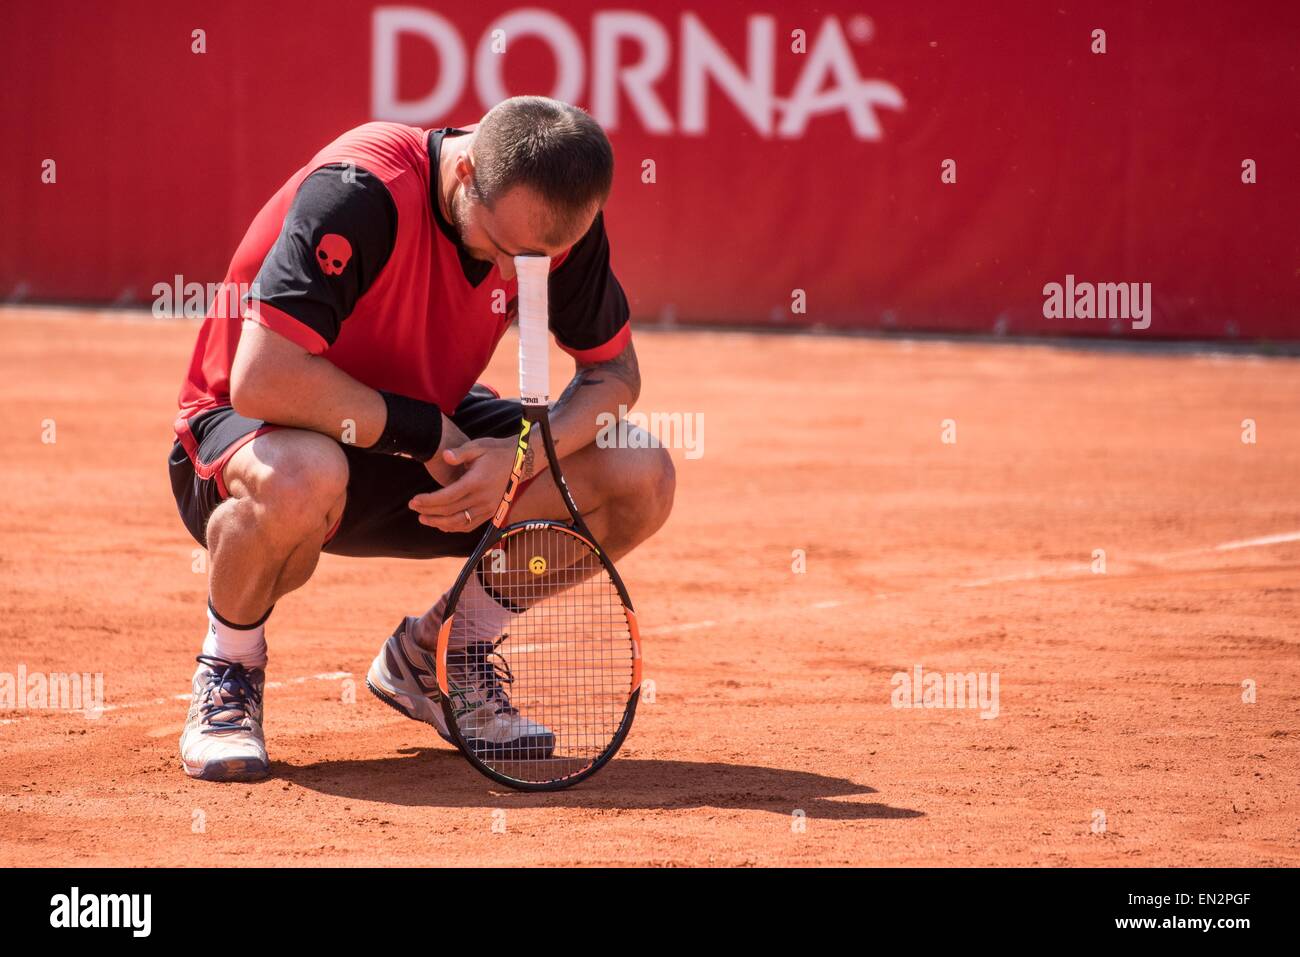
552 147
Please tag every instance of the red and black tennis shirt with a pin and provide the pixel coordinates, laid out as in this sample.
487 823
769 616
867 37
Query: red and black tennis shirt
353 260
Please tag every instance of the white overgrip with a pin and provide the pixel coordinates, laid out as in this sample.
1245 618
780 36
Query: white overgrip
533 273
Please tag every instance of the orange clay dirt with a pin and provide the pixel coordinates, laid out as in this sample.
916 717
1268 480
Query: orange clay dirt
1119 692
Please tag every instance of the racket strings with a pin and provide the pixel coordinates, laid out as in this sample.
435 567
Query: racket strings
565 664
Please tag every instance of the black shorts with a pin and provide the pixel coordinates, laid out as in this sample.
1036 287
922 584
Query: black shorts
376 520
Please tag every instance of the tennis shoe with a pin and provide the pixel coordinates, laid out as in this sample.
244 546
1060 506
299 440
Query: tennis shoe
479 682
223 739
405 677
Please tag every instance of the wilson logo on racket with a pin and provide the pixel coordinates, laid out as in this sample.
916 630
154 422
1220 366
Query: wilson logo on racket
516 476
537 565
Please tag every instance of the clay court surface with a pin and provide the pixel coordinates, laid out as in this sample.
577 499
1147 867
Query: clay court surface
1119 692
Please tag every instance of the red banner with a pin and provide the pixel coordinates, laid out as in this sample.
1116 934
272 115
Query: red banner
1122 169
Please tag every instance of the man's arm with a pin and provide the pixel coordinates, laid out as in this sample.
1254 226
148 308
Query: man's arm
297 311
278 381
596 388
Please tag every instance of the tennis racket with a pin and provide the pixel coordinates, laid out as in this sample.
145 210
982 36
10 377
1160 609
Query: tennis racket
547 702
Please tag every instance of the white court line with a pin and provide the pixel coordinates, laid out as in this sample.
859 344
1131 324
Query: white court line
685 626
1082 569
1256 542
1021 577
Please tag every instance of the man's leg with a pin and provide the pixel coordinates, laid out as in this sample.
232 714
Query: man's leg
624 494
286 490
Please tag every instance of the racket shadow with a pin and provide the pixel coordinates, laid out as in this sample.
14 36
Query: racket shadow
439 777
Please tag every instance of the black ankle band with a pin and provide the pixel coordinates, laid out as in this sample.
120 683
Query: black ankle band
230 624
500 599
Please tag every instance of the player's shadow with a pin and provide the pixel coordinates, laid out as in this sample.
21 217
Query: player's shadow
439 777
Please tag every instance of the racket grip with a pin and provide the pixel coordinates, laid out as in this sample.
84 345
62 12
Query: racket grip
534 273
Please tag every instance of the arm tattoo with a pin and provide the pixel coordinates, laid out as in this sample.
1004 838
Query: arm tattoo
622 367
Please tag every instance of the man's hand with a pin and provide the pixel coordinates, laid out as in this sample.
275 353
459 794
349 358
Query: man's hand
483 467
444 469
474 474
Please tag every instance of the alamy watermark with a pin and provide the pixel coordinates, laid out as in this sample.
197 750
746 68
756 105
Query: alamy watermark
55 691
936 689
642 430
74 909
194 300
1103 300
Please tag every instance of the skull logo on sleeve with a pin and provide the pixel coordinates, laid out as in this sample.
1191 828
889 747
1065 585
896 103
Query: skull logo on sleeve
333 254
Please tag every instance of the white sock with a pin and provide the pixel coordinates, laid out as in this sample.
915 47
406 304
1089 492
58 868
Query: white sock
479 617
245 646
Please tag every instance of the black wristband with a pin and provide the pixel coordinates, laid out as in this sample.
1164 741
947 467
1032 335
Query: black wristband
413 429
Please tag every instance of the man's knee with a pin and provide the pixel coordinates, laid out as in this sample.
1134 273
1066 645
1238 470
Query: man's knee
661 481
294 480
646 479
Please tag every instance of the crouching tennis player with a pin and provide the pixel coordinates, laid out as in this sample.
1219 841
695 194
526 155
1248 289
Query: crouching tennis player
336 408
